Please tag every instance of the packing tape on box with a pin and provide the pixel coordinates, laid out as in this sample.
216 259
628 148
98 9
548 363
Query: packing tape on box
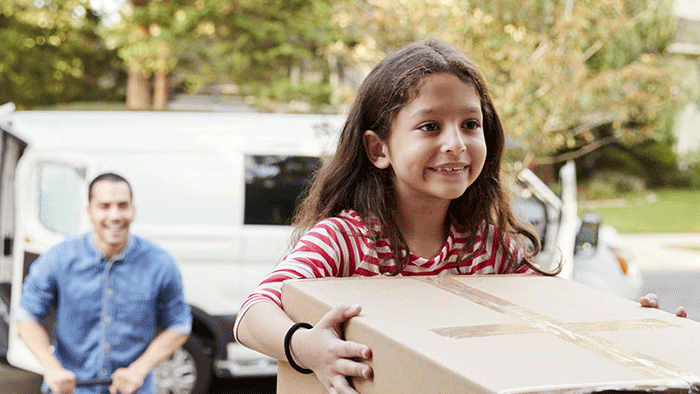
577 333
505 329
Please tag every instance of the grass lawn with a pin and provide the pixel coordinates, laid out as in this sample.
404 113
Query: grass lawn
674 211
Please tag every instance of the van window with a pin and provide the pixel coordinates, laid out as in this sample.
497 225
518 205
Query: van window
59 204
274 185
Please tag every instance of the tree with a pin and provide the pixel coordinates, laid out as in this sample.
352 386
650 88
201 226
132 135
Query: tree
51 53
258 46
274 50
144 53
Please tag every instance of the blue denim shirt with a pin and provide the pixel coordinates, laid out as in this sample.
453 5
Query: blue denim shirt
107 311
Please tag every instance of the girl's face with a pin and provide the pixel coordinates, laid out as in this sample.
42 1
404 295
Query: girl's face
436 144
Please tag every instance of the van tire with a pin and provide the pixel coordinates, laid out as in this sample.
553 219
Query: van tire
189 368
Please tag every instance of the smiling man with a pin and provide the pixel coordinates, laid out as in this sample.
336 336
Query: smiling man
119 301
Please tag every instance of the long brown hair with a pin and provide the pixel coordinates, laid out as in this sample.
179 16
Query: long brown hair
350 181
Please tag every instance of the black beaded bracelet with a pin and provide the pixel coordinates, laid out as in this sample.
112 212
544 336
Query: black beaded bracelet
288 350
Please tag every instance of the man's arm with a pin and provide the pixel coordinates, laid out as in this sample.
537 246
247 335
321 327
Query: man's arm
59 379
128 380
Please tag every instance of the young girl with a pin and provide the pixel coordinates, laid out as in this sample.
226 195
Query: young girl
414 188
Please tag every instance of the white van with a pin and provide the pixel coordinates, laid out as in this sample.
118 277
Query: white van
216 190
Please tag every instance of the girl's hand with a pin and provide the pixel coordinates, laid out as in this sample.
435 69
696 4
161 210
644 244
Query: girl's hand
322 350
651 300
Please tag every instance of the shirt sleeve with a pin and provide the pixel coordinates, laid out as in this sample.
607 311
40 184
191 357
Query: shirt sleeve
173 311
325 250
40 287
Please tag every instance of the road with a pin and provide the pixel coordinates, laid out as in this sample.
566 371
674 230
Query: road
670 270
676 289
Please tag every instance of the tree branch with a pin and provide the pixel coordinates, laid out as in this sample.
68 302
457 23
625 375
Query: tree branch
584 150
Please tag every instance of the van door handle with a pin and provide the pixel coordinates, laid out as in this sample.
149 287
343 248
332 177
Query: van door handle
7 246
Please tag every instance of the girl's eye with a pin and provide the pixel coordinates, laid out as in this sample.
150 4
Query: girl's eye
428 127
471 124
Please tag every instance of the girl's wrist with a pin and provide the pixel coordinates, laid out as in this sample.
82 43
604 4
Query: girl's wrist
289 346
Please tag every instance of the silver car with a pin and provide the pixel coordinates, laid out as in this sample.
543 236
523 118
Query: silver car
591 253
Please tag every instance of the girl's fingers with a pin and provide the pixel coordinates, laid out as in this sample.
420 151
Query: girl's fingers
341 385
680 312
354 350
649 301
348 367
339 315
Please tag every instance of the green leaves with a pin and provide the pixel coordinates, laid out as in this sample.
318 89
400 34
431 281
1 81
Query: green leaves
556 69
51 52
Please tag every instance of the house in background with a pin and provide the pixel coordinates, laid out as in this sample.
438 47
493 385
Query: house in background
687 43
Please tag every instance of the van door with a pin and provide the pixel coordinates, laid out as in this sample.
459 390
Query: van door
50 204
11 149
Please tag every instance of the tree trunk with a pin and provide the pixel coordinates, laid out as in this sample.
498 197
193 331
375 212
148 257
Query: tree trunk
138 92
160 90
138 86
161 78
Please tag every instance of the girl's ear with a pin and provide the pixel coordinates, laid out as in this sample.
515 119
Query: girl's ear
376 149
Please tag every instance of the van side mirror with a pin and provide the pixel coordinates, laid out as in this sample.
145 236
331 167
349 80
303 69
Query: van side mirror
587 237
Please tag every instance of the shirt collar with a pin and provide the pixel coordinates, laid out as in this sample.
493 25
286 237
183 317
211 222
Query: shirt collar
118 257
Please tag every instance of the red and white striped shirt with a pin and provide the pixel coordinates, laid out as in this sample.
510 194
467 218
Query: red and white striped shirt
341 246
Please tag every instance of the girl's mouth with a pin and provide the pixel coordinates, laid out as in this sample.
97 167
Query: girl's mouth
449 169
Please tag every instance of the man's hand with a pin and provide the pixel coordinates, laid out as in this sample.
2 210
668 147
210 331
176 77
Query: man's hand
60 380
126 380
651 300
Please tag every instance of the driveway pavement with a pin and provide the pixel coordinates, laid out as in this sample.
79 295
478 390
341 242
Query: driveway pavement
665 252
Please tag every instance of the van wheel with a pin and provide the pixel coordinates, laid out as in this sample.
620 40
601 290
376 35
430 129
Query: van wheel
188 371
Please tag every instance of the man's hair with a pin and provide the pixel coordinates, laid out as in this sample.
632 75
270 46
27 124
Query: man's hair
111 177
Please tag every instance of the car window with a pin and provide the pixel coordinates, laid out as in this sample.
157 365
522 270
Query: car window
59 204
274 185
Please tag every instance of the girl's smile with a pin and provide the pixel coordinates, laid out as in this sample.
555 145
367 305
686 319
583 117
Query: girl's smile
450 168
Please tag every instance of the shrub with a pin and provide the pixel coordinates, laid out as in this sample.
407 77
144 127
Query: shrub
690 171
611 184
659 161
652 161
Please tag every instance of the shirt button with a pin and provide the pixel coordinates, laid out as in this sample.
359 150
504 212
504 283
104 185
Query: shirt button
109 291
106 345
108 318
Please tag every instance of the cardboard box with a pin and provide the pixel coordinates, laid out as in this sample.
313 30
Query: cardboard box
499 334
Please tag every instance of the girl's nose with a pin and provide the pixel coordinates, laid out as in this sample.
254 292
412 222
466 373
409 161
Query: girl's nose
454 140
